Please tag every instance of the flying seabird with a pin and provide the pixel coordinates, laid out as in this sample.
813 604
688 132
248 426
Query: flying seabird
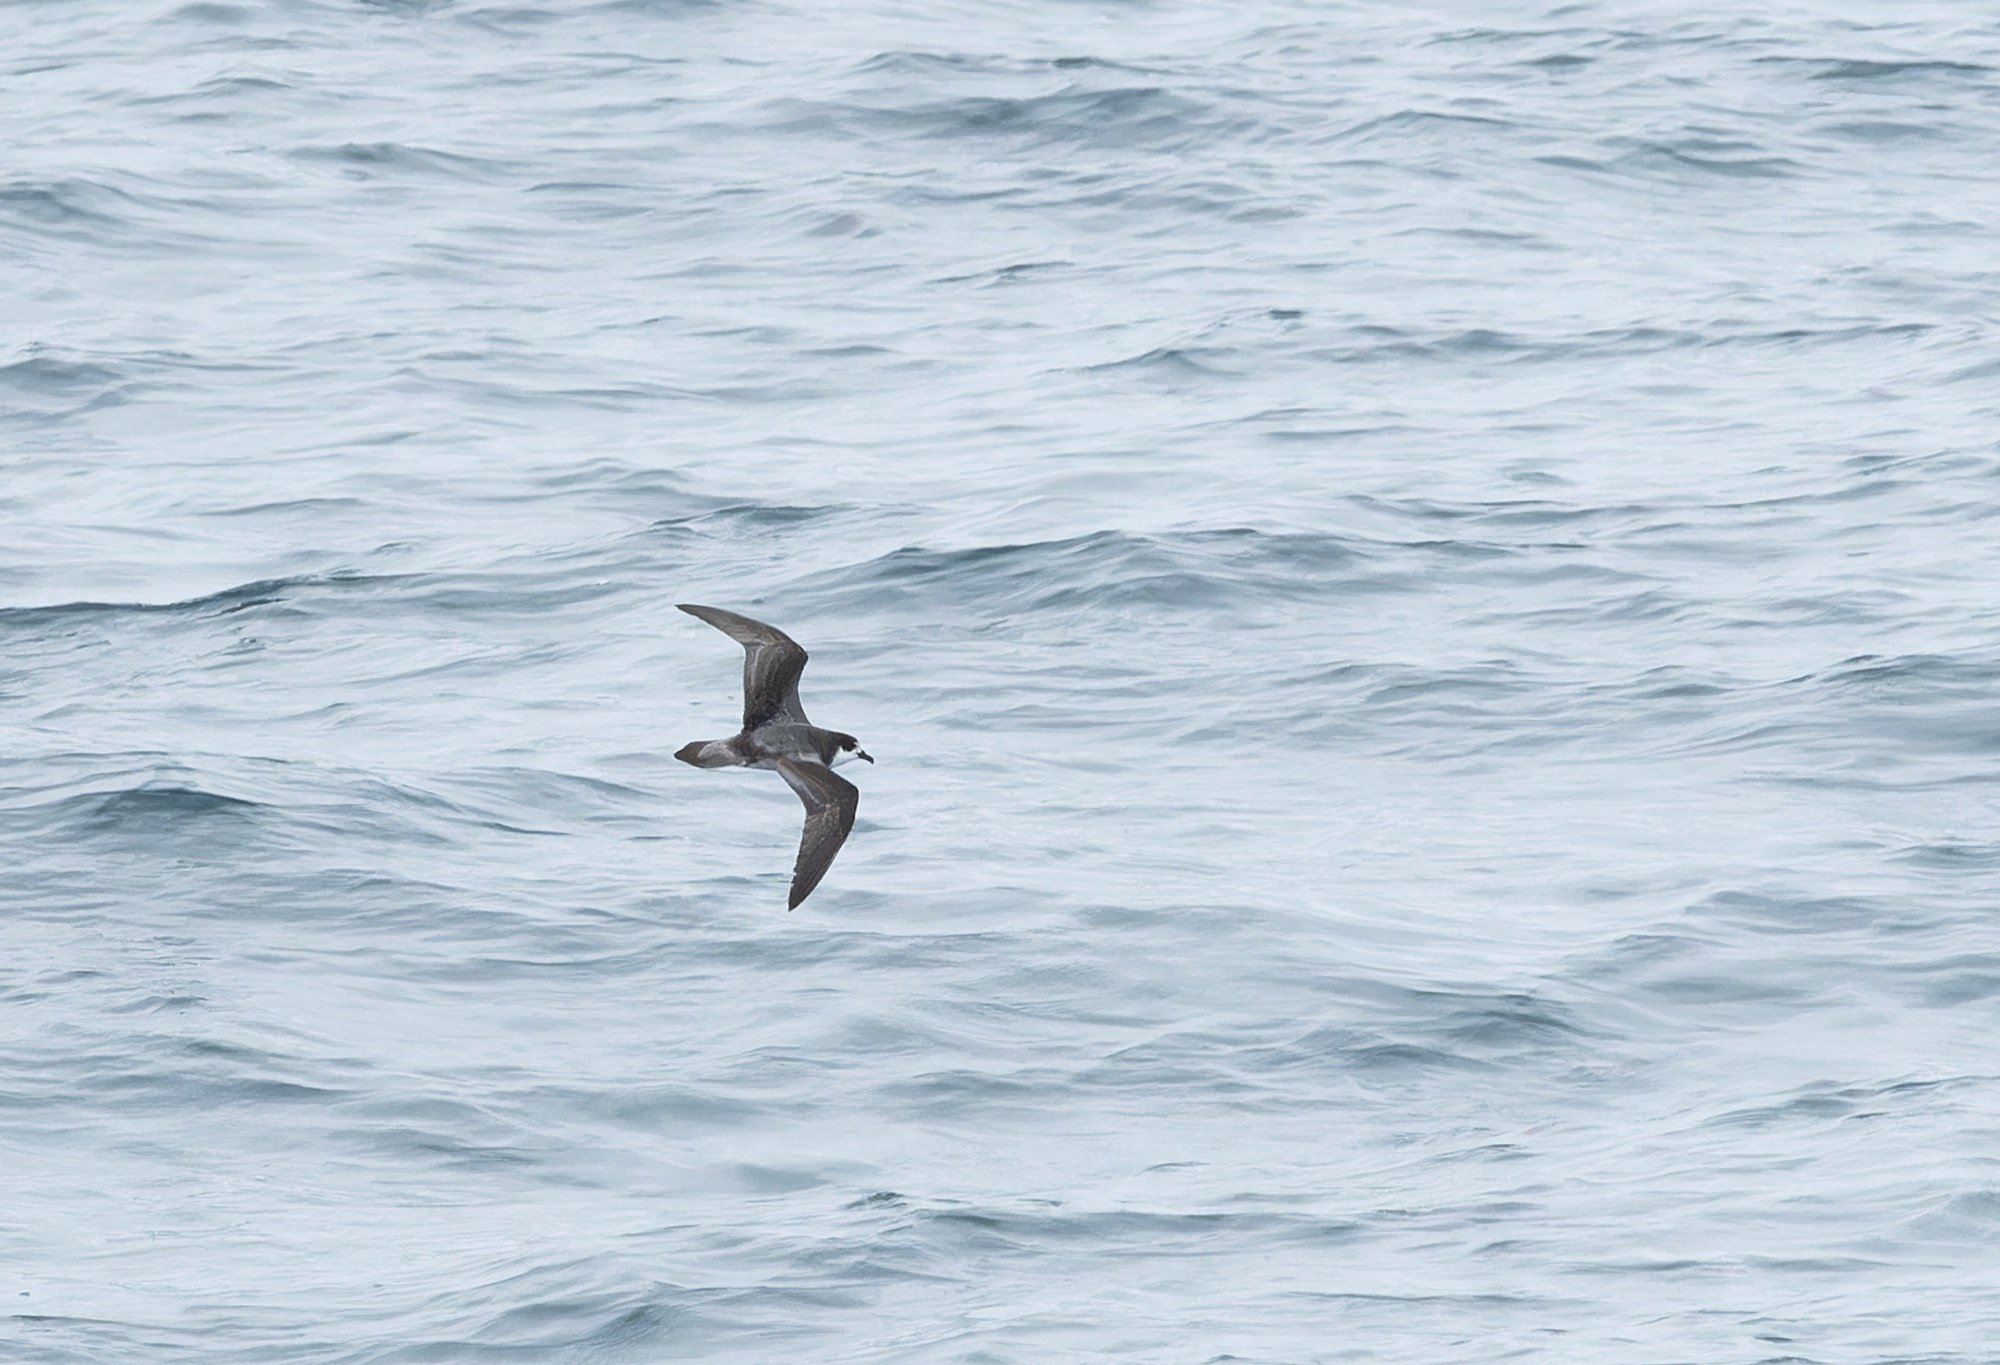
776 734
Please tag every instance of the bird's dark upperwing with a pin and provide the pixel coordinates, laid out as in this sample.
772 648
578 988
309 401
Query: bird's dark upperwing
772 662
830 803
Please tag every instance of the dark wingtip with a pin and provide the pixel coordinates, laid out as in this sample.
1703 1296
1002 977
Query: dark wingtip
690 608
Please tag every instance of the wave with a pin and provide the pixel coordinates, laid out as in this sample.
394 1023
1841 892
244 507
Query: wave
1112 568
1124 117
538 585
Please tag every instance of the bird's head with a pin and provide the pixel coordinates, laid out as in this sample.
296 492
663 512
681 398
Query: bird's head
850 748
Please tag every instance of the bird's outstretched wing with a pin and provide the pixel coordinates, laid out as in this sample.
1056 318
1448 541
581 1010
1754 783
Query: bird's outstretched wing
830 804
772 662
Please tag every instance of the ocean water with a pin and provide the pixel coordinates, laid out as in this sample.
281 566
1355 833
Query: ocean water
1422 581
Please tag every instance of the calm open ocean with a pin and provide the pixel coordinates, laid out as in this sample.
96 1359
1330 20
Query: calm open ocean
1424 582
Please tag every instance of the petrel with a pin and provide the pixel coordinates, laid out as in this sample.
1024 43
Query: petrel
776 734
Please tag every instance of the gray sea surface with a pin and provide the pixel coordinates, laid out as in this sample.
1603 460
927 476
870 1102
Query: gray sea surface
1422 581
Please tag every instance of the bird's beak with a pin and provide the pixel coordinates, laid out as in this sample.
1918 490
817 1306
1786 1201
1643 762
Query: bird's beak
862 753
